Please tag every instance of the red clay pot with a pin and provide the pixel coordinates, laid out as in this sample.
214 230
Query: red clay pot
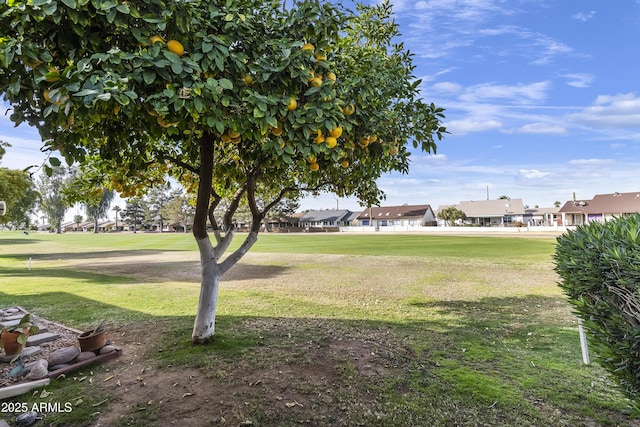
10 342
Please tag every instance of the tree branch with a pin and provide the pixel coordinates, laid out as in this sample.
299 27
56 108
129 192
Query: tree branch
256 215
233 207
182 164
205 173
276 200
212 218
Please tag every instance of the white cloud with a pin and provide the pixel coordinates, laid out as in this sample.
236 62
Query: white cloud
465 126
541 128
584 16
518 94
578 79
590 162
611 111
533 174
447 88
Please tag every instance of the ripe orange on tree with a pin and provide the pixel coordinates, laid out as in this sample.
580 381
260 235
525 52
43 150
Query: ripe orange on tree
293 104
277 131
314 167
155 39
336 132
320 138
175 47
349 109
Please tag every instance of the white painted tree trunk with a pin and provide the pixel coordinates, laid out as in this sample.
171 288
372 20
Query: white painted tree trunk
205 322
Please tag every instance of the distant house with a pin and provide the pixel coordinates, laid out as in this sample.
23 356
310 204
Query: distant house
405 216
493 213
74 226
542 216
330 218
601 208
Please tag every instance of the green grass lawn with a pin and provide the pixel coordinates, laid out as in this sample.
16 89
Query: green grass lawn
458 330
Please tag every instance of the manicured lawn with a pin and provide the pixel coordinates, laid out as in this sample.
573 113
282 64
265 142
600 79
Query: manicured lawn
319 329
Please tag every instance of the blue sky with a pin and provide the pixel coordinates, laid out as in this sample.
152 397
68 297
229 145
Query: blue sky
542 100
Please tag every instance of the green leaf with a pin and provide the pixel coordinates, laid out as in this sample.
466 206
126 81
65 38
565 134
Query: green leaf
50 8
176 67
71 4
207 47
123 8
225 84
122 99
257 113
54 161
272 121
86 92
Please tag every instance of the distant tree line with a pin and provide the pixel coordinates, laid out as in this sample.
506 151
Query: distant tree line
52 195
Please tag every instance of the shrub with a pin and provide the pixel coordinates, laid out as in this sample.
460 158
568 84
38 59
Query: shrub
599 265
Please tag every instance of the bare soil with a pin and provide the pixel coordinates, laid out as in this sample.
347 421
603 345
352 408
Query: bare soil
257 390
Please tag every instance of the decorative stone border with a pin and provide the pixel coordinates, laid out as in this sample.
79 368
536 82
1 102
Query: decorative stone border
53 337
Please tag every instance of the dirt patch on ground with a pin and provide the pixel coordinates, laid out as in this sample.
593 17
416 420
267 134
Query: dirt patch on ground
300 378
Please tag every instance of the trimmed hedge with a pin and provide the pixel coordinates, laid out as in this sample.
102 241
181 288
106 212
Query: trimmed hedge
599 264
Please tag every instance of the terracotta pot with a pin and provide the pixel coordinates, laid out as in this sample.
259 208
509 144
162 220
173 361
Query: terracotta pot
90 342
10 342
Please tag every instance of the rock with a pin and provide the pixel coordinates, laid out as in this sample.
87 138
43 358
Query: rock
41 338
63 355
26 352
107 349
61 366
38 370
86 355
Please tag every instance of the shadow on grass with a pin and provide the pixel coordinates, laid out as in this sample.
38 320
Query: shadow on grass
129 271
85 255
9 242
444 370
41 273
491 311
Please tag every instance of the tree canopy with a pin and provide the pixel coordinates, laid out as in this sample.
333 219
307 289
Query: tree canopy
17 189
97 78
237 99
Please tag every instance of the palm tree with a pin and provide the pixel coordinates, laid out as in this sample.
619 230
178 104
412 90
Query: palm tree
77 219
117 209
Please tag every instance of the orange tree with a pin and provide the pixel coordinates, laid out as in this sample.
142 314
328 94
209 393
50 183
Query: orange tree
237 99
